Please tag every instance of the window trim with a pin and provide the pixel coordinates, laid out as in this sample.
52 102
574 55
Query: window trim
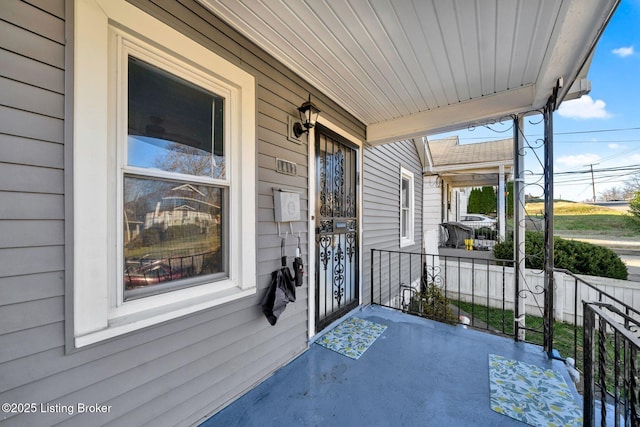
98 313
407 175
126 45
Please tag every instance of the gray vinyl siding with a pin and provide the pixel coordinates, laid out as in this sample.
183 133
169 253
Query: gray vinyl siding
432 204
381 206
432 213
175 373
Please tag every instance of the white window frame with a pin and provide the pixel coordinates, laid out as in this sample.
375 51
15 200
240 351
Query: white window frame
407 240
105 31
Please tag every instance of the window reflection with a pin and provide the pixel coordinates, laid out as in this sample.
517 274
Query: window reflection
173 125
172 231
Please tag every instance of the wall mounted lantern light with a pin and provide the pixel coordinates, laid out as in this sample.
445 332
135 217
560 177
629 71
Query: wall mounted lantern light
308 116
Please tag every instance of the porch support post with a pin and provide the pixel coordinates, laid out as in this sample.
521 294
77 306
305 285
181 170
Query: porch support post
548 228
502 217
518 227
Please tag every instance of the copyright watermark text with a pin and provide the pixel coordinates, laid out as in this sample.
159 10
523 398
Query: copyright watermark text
54 408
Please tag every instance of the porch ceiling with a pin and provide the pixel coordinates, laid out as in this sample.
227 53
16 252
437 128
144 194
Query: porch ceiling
413 68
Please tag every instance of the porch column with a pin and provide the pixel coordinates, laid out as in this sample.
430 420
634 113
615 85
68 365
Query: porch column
502 217
518 227
548 228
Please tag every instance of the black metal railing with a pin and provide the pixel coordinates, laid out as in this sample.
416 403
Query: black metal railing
611 341
472 291
152 270
581 290
480 293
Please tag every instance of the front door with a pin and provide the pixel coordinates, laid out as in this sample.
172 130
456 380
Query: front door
336 227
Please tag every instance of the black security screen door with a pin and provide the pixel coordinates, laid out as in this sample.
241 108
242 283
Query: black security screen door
336 227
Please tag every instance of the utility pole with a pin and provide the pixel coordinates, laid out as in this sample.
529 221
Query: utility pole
593 182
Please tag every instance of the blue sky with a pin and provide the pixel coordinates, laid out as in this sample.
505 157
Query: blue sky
603 127
613 105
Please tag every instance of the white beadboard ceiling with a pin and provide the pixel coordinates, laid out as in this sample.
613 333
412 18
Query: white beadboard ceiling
409 68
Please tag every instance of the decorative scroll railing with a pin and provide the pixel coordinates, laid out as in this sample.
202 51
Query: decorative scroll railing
611 350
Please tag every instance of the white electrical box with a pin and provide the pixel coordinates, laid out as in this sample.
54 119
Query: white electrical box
287 206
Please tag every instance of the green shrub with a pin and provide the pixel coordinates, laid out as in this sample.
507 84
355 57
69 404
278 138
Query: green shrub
150 236
575 256
633 222
433 304
634 205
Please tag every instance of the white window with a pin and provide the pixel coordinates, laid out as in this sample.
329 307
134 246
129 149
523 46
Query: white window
406 208
164 174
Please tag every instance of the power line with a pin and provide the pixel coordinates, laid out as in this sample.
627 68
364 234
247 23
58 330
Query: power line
599 141
635 168
564 133
595 131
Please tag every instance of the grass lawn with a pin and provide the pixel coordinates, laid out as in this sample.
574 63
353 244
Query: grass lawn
587 219
183 246
563 333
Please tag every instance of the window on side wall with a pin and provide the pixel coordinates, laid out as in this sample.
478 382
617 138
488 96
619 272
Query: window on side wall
164 174
406 207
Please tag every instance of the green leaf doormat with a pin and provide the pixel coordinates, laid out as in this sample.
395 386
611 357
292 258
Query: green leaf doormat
531 394
352 337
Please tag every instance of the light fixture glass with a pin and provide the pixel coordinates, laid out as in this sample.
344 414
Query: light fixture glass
308 118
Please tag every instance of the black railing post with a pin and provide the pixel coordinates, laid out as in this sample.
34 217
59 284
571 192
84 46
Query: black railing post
602 368
588 414
633 386
548 226
372 280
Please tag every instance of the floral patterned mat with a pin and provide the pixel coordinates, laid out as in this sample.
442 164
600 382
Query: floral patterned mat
531 394
352 337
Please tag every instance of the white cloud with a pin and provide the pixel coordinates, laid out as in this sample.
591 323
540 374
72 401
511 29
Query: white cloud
623 52
577 161
614 146
634 159
584 108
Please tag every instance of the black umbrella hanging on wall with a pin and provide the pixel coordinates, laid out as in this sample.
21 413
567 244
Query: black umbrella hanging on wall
298 266
281 290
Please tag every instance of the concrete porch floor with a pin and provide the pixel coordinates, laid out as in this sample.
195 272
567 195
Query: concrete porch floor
417 373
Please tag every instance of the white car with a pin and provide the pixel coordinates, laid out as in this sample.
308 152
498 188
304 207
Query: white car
478 221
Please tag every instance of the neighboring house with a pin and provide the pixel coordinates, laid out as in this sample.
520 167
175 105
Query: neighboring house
452 169
108 106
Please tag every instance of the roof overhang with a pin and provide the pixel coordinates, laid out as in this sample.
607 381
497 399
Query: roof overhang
451 117
470 165
407 69
473 175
